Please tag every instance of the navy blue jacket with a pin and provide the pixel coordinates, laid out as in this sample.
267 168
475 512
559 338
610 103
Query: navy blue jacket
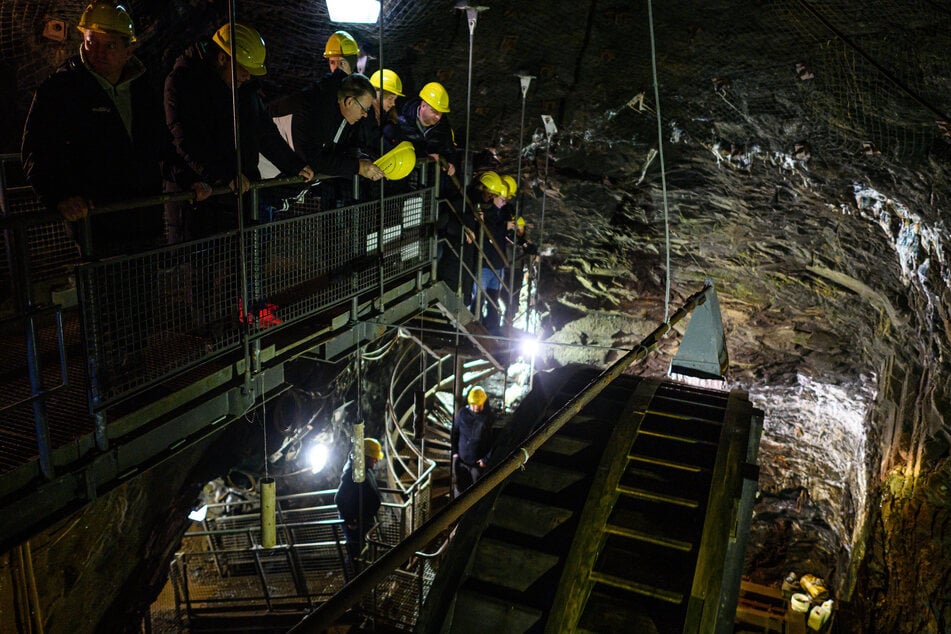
75 144
437 139
347 498
471 436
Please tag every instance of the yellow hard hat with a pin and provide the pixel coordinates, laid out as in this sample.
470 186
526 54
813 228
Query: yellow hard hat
391 82
398 162
249 47
510 184
494 184
436 96
477 396
520 222
341 44
106 17
372 448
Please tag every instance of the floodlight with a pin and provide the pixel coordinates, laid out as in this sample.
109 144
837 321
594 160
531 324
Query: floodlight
317 457
354 11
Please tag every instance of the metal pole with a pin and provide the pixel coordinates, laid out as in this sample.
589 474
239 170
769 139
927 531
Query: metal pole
550 130
242 250
329 612
524 82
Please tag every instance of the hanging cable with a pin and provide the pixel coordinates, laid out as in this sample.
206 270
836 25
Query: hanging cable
660 151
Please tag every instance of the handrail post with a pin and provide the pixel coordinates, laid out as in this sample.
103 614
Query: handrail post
21 270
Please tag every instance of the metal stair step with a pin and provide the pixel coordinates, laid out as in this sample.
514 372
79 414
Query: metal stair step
527 517
523 566
564 445
604 613
652 538
644 589
643 494
476 613
548 478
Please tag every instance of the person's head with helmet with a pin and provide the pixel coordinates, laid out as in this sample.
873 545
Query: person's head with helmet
434 104
342 51
372 452
108 39
249 53
493 188
511 185
388 86
476 399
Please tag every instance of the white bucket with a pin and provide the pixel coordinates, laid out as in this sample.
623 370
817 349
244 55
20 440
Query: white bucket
800 602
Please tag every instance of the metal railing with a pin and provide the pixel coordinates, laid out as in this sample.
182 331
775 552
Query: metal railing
222 568
328 613
151 316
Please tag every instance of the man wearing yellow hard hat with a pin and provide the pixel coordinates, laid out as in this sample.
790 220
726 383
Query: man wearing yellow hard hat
94 134
471 440
358 502
198 111
342 51
423 122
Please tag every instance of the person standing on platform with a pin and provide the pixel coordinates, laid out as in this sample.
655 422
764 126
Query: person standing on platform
358 502
471 440
94 135
199 114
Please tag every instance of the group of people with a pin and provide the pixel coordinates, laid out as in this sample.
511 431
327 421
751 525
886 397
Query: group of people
96 135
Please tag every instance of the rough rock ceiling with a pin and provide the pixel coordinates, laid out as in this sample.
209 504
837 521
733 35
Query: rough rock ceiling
805 174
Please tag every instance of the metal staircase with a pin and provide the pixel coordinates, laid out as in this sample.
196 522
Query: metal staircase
622 522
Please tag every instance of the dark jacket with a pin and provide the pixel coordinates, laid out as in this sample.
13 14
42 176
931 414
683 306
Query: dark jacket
437 139
347 498
199 114
316 120
496 219
74 143
471 436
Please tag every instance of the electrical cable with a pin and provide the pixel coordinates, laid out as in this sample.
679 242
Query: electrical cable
660 150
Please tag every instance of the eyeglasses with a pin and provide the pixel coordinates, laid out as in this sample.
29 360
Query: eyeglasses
362 107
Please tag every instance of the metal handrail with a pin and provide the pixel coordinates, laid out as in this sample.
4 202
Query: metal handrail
326 614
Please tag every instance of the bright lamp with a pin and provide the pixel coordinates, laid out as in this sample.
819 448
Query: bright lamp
354 11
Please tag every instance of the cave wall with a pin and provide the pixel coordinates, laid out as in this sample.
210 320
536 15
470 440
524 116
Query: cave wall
810 186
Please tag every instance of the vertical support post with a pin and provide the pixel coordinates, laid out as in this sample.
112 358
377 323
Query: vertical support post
268 528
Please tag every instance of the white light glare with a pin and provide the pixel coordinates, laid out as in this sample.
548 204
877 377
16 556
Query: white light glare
354 11
317 457
198 515
529 347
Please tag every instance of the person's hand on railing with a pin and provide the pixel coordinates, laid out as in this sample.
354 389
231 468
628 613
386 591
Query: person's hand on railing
245 184
448 167
470 235
202 191
307 172
74 207
368 169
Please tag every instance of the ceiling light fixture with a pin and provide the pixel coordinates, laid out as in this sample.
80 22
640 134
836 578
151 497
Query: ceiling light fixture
354 11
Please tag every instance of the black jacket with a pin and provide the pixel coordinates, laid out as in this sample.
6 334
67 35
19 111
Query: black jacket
347 498
75 144
471 436
198 112
437 139
316 120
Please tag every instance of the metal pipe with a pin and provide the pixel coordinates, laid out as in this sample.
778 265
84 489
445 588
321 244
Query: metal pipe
326 614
